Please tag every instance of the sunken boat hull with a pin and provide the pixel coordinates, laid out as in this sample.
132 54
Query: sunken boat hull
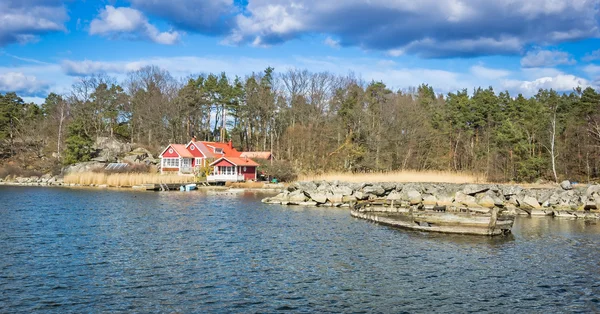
492 223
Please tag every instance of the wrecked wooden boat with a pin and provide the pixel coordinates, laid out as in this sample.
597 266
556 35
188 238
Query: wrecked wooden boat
479 221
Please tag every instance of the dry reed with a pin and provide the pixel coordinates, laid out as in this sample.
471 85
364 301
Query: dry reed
124 179
245 185
399 176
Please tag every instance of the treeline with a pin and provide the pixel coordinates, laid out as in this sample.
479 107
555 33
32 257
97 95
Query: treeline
319 122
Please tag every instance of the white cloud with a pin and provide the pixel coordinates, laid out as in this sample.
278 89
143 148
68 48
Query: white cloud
129 22
21 83
332 43
24 21
430 28
592 56
560 83
546 58
592 69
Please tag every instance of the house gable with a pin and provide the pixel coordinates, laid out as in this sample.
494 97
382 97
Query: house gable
194 150
169 152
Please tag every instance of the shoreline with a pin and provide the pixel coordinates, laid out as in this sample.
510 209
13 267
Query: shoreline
138 188
560 201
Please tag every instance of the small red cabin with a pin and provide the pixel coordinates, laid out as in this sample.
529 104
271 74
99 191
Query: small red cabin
233 169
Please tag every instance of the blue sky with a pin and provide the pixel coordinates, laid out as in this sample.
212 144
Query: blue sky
519 46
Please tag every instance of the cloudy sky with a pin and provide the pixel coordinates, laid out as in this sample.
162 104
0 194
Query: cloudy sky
514 45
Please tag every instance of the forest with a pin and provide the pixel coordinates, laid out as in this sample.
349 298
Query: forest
317 122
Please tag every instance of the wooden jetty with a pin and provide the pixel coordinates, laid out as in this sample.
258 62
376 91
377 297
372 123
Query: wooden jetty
165 186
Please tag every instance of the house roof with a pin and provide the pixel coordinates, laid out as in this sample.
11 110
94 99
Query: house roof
228 151
237 161
182 150
257 155
207 152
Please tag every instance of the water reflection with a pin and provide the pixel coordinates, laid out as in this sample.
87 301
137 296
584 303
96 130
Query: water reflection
102 251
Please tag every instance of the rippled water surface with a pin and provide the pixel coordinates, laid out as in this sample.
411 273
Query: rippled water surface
67 250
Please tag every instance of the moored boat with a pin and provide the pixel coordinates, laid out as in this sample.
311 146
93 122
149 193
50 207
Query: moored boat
488 222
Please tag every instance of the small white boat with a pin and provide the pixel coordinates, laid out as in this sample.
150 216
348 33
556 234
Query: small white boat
188 187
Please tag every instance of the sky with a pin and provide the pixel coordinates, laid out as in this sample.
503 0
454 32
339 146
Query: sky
511 45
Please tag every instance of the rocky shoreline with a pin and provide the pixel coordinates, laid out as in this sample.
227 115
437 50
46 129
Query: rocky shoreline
561 201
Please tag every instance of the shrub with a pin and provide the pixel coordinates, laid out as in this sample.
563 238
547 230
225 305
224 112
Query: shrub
281 170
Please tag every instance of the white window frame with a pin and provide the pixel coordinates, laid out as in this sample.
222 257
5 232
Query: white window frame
170 162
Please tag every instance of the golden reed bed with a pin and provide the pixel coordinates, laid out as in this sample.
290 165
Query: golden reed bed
400 176
124 179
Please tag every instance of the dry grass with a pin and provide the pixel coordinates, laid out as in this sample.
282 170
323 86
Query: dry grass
124 179
245 185
400 176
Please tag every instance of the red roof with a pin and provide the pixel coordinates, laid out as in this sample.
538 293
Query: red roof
237 161
182 150
228 150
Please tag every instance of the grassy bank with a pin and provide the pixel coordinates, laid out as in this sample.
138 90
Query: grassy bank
399 176
124 179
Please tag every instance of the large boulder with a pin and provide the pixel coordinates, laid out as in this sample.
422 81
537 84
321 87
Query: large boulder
566 185
138 155
509 190
529 202
394 196
473 189
83 167
296 197
376 190
108 149
466 200
413 196
360 195
593 189
306 186
342 190
430 200
318 197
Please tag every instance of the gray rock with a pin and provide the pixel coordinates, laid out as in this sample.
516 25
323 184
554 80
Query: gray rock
430 200
306 186
485 200
529 202
360 195
335 198
466 200
445 200
342 190
508 190
413 196
324 187
388 186
472 189
318 197
376 190
566 185
394 196
83 167
296 197
593 189
109 148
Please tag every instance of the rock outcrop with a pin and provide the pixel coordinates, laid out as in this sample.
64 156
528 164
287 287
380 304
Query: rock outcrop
562 201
